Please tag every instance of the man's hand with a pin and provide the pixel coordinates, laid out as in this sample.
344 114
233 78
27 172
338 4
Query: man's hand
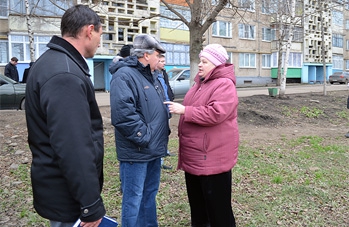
91 224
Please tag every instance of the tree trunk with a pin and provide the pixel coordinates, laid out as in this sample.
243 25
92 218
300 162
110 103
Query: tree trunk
288 49
195 49
30 32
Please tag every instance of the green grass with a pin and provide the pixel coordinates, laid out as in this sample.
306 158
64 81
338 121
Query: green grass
294 182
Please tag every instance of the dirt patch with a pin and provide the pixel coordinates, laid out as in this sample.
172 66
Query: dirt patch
262 119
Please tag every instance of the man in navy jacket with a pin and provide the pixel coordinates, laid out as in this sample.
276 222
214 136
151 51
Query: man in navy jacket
141 130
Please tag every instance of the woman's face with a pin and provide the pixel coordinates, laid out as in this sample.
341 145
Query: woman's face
205 66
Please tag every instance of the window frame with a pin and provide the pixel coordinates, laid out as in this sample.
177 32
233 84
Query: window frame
251 60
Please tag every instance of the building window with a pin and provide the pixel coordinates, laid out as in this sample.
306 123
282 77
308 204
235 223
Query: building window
294 59
177 54
247 60
298 34
347 64
42 7
266 60
4 51
269 6
246 31
19 46
337 18
3 8
268 34
246 5
167 23
337 40
230 60
337 61
347 24
222 28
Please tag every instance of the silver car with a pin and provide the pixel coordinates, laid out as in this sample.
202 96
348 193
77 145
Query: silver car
339 77
179 79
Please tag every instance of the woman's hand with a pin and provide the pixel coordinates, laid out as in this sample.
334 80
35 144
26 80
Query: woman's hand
175 107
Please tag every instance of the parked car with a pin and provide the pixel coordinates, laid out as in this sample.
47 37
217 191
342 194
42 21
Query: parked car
12 94
339 77
179 79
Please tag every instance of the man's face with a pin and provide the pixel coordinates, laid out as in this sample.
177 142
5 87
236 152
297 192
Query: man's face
14 62
153 60
94 42
161 64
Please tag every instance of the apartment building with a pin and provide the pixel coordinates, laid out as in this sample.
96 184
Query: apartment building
250 36
121 21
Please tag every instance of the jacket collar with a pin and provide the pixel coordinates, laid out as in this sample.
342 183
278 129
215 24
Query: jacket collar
60 44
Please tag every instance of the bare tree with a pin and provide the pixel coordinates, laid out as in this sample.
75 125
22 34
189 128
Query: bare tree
202 15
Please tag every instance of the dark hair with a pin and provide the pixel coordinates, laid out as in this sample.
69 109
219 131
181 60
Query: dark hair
76 17
14 59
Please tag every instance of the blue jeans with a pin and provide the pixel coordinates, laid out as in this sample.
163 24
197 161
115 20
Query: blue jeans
140 184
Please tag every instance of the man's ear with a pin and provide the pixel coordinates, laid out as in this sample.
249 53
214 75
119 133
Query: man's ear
90 28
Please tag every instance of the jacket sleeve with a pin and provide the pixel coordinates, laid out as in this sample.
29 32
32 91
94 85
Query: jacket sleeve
126 114
221 103
64 100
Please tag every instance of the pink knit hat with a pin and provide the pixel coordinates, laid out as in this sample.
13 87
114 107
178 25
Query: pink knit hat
215 53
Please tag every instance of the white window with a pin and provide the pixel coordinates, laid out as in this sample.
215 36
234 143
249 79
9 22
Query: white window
222 28
4 51
177 54
230 60
167 23
266 60
246 31
269 6
347 24
246 5
268 34
294 59
247 60
337 61
42 7
19 46
337 40
337 18
3 8
346 64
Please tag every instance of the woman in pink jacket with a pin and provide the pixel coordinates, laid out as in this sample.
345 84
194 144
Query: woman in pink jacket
209 139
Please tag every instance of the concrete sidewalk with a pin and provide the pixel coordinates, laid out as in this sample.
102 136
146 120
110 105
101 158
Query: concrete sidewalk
103 98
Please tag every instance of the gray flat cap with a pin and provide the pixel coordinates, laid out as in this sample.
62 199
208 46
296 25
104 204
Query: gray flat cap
147 42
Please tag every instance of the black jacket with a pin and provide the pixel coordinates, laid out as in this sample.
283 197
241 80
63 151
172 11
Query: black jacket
11 72
137 112
169 89
65 135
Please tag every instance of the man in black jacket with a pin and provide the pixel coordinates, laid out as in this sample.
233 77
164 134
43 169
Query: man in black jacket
65 128
11 69
26 72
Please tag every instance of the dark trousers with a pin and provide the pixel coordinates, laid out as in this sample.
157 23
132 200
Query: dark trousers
210 200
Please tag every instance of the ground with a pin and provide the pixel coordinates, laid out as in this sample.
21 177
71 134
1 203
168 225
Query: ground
262 119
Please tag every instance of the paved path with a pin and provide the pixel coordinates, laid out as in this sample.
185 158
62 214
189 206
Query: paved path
103 98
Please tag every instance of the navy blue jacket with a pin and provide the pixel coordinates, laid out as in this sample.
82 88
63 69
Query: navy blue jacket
65 135
137 112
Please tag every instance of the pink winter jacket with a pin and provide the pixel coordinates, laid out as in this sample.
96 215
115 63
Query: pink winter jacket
208 131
